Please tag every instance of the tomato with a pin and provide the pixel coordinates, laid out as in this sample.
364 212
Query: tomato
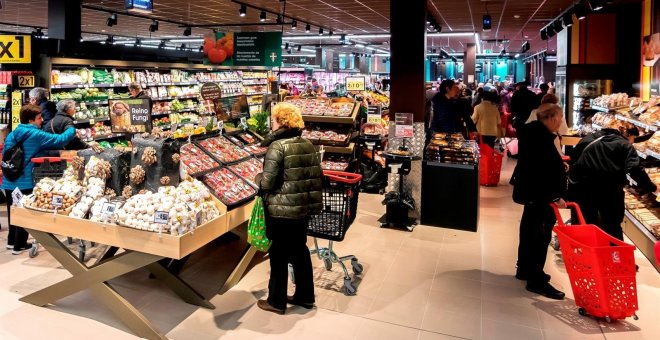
229 48
208 45
221 42
217 55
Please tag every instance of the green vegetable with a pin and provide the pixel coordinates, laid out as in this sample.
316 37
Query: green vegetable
259 123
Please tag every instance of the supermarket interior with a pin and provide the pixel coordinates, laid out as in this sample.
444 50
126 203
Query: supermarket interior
350 169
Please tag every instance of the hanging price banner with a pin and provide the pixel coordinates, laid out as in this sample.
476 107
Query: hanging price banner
16 103
355 83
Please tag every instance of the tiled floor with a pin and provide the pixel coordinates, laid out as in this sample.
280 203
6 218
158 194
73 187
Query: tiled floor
430 284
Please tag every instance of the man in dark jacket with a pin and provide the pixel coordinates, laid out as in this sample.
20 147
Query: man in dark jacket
539 179
598 175
449 113
523 102
292 186
136 91
544 90
39 96
63 120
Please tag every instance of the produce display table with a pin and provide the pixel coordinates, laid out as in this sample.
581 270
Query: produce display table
143 249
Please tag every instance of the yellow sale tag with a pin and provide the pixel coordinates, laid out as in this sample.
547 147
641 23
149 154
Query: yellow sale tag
25 81
16 103
374 119
15 49
355 84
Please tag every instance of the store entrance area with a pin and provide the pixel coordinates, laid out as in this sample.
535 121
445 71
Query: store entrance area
432 283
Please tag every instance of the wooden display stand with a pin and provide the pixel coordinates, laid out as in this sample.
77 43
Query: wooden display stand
143 249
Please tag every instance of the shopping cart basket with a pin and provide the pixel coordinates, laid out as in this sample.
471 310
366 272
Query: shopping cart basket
601 269
490 165
340 199
53 167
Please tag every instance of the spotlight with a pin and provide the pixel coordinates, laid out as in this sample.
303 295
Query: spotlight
294 24
110 40
286 46
568 19
279 19
428 20
288 51
487 22
525 47
551 31
187 32
320 30
182 47
154 26
112 20
162 44
558 26
438 28
596 5
433 50
38 33
308 28
331 33
342 39
544 34
299 48
137 42
262 16
580 11
201 48
242 11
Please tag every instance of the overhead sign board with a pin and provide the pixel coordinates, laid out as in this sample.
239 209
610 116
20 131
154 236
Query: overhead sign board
144 6
244 49
15 49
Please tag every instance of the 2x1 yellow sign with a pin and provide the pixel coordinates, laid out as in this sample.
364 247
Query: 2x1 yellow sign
15 49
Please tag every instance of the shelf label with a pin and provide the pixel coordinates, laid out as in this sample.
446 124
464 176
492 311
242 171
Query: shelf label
404 125
108 209
355 84
16 104
25 81
374 118
15 49
58 201
161 217
16 197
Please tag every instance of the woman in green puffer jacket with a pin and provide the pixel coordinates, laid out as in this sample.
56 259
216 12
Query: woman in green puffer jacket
291 183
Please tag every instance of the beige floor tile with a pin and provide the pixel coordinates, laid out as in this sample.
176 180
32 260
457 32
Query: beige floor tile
424 335
494 330
370 329
455 285
400 304
454 315
511 314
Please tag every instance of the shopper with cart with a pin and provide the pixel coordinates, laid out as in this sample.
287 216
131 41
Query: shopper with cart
39 96
292 188
34 142
63 120
538 179
598 174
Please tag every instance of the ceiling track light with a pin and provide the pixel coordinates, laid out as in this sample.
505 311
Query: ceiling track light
110 40
294 24
187 32
596 5
558 26
320 30
551 31
308 28
112 20
567 18
137 42
544 34
487 22
299 48
182 47
242 11
262 16
38 33
331 33
286 46
162 44
154 26
279 19
580 11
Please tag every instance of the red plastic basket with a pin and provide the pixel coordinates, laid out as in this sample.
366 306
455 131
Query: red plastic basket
490 165
601 269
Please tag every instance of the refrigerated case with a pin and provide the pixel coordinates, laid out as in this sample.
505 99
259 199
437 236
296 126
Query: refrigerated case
575 95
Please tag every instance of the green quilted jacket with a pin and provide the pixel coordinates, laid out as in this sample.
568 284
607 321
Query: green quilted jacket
292 174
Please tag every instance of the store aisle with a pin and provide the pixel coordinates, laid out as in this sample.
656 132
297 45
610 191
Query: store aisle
430 284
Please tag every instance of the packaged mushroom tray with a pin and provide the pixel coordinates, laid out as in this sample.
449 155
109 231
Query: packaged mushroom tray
230 189
196 161
222 150
254 149
51 195
248 169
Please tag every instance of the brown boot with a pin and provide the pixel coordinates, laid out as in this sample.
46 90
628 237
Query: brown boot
263 304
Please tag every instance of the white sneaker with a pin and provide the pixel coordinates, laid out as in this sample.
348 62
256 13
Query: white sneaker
20 251
10 246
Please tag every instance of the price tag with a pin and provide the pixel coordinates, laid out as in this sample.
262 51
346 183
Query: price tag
243 124
58 201
92 121
161 217
355 83
108 209
16 197
221 125
374 118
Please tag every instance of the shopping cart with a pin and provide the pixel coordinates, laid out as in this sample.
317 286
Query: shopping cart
53 167
490 165
340 198
601 269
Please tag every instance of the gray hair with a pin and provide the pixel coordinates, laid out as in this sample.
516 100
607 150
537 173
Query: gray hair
65 105
39 93
135 86
547 111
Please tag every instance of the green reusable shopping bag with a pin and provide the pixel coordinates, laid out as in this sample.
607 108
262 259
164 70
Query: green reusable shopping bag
257 226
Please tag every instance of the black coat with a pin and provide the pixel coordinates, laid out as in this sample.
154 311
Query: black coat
59 124
606 161
292 175
48 111
451 115
523 102
539 176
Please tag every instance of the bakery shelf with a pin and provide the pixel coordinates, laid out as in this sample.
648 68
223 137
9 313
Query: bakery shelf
606 109
640 236
637 123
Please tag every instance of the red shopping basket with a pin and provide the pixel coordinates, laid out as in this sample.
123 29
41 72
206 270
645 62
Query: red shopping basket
490 165
600 267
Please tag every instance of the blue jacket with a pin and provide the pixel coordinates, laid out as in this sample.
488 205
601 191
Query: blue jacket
34 142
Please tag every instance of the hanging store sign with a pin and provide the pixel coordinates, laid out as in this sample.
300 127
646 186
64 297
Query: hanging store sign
130 115
144 6
15 49
404 125
355 83
244 49
479 67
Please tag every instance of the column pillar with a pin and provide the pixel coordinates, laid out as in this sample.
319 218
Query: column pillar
469 63
321 58
408 52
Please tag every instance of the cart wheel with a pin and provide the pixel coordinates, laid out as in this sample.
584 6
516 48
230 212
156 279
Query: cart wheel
555 243
69 240
34 251
410 228
357 267
635 317
81 256
328 264
582 311
608 319
350 288
383 224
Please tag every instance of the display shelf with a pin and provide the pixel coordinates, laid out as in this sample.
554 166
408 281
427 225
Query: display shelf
333 119
92 102
605 109
162 113
637 123
86 86
641 237
104 137
91 120
177 97
338 149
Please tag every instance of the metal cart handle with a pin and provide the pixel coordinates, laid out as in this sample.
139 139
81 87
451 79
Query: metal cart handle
343 177
569 205
41 160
